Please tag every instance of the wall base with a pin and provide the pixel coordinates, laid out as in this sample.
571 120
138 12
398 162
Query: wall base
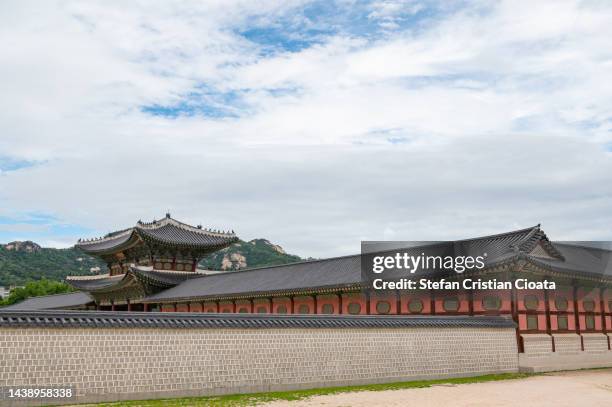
555 362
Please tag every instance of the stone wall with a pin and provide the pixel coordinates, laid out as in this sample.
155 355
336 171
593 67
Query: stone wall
571 351
120 363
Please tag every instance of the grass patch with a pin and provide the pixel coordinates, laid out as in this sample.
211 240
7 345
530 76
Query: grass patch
259 398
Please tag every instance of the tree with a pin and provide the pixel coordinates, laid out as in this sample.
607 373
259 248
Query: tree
36 289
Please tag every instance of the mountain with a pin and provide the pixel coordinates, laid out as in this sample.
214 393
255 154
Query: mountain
28 246
26 261
254 253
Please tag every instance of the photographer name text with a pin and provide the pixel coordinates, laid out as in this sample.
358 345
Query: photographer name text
466 284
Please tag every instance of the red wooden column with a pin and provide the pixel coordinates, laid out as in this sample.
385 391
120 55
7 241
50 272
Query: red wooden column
432 302
398 302
548 324
471 302
112 305
577 314
515 318
602 307
129 305
145 307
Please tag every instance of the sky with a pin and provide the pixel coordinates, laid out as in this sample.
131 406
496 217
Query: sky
314 124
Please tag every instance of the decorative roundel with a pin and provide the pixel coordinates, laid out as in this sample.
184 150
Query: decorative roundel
354 308
304 309
327 309
281 309
415 305
491 303
451 304
383 307
262 310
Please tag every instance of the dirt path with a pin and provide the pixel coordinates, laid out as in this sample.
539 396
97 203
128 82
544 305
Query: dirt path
579 388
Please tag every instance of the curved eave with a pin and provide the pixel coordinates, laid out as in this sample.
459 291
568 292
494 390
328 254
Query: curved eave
94 285
260 294
101 285
149 281
163 279
104 247
215 243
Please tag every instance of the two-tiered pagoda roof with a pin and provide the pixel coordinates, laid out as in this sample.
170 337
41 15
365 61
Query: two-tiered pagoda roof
164 232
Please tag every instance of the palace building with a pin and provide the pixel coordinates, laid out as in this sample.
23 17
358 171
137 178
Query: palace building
154 267
146 259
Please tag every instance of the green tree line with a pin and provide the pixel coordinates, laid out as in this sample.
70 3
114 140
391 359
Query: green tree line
35 289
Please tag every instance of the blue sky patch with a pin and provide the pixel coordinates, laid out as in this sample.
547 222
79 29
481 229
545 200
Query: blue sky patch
38 227
203 101
12 164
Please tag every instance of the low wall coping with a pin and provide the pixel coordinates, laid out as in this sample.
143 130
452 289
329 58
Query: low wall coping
121 319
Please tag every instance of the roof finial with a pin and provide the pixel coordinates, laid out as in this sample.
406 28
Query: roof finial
168 214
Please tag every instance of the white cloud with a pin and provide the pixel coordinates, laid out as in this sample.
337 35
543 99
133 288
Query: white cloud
471 121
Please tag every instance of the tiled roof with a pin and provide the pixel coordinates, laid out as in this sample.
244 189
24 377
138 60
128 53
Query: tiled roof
164 231
69 300
340 271
100 319
93 284
591 261
346 271
168 278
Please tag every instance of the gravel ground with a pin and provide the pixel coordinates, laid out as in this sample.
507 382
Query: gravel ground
577 388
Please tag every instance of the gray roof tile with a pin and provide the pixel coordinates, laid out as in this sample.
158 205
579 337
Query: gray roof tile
195 320
75 299
340 271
